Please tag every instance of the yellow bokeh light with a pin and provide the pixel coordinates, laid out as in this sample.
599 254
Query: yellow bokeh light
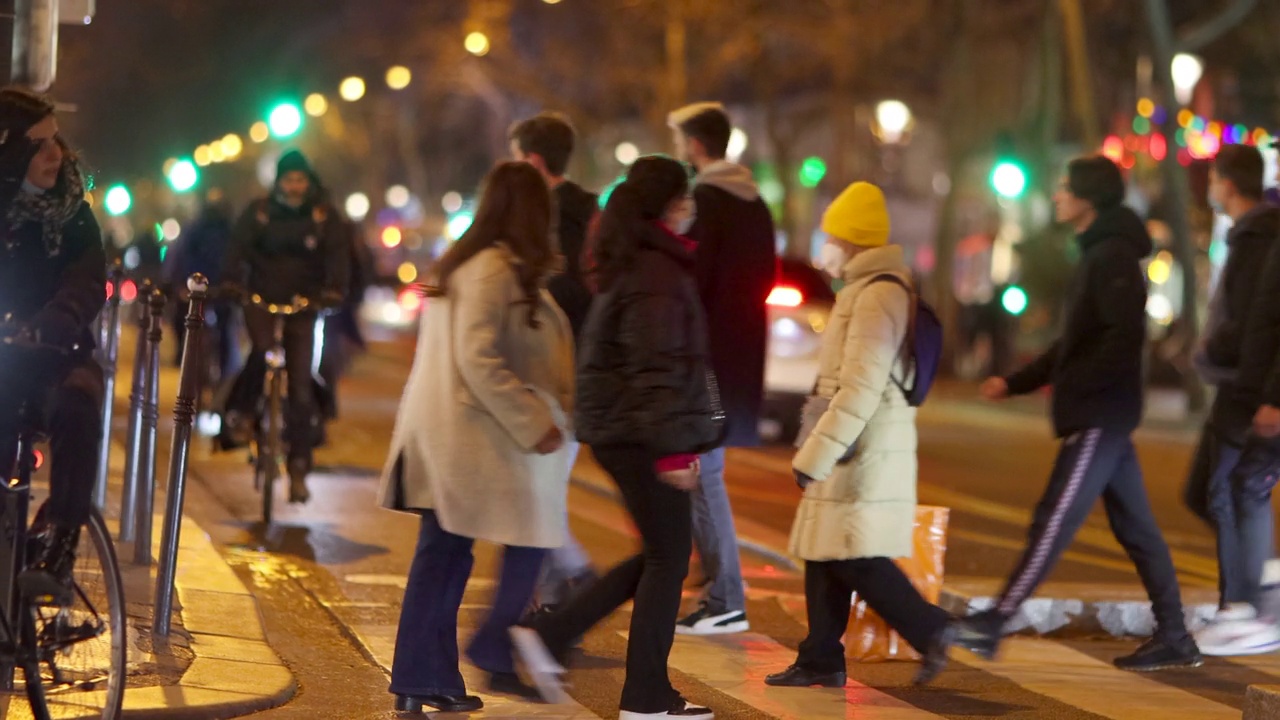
215 151
1158 271
315 105
351 89
477 43
232 146
259 132
1185 117
407 272
202 156
399 77
1146 108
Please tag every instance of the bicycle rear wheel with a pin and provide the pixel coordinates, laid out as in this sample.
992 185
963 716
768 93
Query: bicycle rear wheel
82 649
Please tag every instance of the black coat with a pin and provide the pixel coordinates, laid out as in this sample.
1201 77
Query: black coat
279 252
737 265
72 282
1095 367
576 209
1258 371
1250 241
642 365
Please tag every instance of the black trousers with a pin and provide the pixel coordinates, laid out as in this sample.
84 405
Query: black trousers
72 418
1096 463
653 578
828 589
299 348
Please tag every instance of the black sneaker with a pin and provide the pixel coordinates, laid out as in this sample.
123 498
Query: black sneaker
47 581
1158 654
935 656
703 622
298 492
977 635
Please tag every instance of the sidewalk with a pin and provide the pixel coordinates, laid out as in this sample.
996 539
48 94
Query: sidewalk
216 662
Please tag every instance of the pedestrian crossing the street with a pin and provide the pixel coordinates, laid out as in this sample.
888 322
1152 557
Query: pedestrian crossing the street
1034 678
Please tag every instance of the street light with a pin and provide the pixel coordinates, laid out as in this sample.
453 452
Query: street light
203 156
399 77
477 43
357 206
1186 69
893 117
397 196
285 120
451 202
1008 179
232 145
183 176
118 200
315 105
351 89
626 153
259 132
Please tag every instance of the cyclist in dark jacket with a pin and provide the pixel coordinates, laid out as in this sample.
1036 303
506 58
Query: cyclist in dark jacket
647 407
202 248
52 285
289 244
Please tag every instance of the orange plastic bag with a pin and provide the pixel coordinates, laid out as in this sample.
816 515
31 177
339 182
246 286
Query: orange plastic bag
868 638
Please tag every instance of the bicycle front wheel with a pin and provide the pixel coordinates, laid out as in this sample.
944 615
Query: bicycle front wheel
82 649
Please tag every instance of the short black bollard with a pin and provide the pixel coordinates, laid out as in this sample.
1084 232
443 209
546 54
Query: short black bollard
133 439
109 355
144 500
184 417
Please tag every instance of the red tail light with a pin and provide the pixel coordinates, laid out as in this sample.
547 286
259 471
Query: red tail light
39 459
785 296
111 289
128 291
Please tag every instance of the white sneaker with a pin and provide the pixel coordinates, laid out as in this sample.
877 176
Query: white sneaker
542 667
688 712
702 622
1238 631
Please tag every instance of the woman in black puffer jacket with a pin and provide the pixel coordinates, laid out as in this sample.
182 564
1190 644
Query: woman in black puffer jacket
647 405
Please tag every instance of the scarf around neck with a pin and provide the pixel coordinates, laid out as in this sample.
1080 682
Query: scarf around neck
50 209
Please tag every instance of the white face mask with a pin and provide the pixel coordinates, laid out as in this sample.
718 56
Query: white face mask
832 259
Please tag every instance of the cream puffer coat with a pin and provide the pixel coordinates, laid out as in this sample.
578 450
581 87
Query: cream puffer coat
865 507
485 388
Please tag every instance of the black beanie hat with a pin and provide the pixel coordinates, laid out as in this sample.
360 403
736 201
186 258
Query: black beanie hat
1097 180
292 161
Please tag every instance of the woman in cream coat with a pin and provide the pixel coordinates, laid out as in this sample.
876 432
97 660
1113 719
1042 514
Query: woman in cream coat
479 445
858 465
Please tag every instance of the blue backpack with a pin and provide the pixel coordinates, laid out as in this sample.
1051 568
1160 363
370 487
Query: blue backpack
924 343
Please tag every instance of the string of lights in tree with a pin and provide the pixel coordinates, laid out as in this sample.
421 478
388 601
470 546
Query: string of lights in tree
1197 138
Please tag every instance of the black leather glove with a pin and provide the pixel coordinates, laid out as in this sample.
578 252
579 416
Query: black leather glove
54 326
802 480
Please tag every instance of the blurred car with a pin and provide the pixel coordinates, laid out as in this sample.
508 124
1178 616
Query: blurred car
390 308
798 309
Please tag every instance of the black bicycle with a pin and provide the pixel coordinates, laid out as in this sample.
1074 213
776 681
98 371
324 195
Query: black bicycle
72 658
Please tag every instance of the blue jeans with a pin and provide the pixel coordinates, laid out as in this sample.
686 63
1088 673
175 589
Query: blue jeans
1208 494
564 564
426 658
1252 481
716 539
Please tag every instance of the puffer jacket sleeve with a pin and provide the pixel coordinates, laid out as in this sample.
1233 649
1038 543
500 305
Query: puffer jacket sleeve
480 307
871 351
652 332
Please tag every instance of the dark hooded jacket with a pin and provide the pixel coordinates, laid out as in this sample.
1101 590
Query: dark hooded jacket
1257 380
576 208
736 268
279 252
1095 367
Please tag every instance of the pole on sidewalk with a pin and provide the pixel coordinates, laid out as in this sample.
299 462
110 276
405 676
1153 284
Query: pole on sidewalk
146 490
184 417
133 438
110 321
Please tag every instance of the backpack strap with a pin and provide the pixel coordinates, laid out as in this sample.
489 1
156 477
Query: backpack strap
908 343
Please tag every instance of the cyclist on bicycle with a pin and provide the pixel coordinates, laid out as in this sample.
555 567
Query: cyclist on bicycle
291 243
52 285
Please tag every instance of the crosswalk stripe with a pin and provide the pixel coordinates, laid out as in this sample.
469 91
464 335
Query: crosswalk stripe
1074 678
736 665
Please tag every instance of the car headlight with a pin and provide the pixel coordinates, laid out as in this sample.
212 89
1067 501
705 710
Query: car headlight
790 339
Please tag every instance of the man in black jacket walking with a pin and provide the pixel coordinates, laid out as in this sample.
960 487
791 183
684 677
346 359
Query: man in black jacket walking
546 141
736 268
1095 369
1235 189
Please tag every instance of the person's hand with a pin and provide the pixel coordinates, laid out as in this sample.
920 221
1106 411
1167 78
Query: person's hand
994 389
551 442
1266 423
686 479
802 481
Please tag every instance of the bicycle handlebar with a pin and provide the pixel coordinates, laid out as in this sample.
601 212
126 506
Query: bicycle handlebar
299 305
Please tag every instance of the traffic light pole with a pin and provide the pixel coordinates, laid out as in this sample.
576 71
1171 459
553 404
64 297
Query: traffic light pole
35 44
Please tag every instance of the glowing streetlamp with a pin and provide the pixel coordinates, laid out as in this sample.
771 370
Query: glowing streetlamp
399 77
351 89
893 117
315 105
477 43
1186 69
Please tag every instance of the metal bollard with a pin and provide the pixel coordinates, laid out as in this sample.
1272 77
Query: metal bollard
144 500
109 358
133 439
184 417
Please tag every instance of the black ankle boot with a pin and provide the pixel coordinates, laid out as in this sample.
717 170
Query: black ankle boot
47 580
298 469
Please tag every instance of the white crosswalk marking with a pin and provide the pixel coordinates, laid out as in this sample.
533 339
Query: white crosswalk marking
1076 679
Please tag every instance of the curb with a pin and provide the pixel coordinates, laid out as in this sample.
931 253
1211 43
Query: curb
1262 702
235 672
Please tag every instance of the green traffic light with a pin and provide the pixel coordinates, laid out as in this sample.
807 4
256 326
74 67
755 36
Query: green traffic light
118 200
1014 300
285 120
1009 179
183 176
812 170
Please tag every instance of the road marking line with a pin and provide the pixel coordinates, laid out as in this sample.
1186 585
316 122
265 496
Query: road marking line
1086 683
736 665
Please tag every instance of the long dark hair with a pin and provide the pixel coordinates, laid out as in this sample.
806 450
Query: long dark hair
515 209
652 183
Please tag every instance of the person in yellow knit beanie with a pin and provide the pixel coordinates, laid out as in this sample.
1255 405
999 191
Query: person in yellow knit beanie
857 218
